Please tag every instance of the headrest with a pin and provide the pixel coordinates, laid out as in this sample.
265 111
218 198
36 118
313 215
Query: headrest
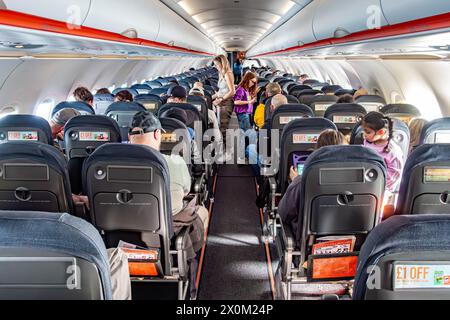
433 127
159 91
324 98
103 97
27 121
140 88
309 92
133 92
125 106
58 232
101 122
80 106
401 234
345 108
307 124
170 124
151 97
371 99
185 106
301 109
331 88
342 92
401 109
292 99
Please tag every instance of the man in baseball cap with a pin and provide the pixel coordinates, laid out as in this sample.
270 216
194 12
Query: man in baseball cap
60 119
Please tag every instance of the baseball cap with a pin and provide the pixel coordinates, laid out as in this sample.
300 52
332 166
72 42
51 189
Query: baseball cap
177 92
63 116
146 121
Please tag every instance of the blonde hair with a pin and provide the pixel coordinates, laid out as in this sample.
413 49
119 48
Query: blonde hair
415 129
330 137
360 92
224 64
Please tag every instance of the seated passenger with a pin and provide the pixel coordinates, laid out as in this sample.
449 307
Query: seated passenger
415 129
212 117
272 89
289 206
146 130
82 94
58 122
303 78
123 96
277 101
103 91
346 98
360 92
180 115
177 94
378 133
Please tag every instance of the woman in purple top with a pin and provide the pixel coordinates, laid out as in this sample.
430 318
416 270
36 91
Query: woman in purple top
244 99
378 131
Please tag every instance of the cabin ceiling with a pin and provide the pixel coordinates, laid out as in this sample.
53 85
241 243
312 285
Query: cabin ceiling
236 25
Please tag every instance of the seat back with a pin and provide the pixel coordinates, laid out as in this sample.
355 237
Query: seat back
201 105
34 178
176 135
401 136
436 131
186 106
371 102
403 112
298 141
328 89
123 113
320 104
294 90
307 96
292 99
284 114
51 256
83 135
82 107
102 102
133 92
405 258
141 88
151 102
20 127
342 92
425 185
346 116
129 193
342 194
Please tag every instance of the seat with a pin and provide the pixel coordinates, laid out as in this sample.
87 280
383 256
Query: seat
425 185
199 118
129 192
102 102
403 112
342 190
133 92
331 89
310 82
292 99
51 256
346 116
436 131
153 84
141 88
123 113
34 178
201 105
371 102
342 92
176 133
151 102
20 127
82 135
401 136
321 103
405 258
297 88
284 114
159 91
307 96
82 107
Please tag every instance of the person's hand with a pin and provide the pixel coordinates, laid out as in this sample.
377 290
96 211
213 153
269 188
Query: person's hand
293 174
81 199
218 101
253 100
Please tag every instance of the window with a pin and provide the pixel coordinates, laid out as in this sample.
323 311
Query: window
125 85
5 111
112 88
44 109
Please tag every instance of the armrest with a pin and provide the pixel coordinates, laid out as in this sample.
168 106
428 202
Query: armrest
287 235
180 247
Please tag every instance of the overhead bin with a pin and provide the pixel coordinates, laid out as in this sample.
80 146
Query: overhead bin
61 10
399 11
146 19
337 18
296 31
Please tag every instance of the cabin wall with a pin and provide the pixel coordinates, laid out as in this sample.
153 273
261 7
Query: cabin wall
419 82
24 84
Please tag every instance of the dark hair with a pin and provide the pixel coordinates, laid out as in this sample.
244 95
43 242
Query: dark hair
346 98
82 94
377 121
103 91
124 95
330 137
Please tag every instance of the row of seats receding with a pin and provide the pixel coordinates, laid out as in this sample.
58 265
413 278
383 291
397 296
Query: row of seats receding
129 199
342 194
